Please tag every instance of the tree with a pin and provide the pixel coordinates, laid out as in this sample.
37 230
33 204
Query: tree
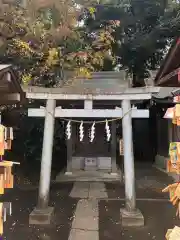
145 29
146 35
31 38
44 39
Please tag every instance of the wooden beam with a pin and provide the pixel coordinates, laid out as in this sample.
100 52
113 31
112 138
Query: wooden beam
59 96
168 76
10 97
88 113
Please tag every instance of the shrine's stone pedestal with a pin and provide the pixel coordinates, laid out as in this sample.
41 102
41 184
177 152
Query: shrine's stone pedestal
92 163
68 173
131 219
41 216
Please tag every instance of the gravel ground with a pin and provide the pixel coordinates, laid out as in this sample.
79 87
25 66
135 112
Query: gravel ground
158 213
149 184
159 216
17 226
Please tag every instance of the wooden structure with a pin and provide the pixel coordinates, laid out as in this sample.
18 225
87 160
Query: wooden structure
168 132
173 164
169 72
168 77
105 96
11 93
6 182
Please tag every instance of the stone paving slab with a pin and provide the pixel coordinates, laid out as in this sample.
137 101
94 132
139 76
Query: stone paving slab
100 186
87 207
80 190
88 223
86 215
77 234
89 190
79 194
97 190
97 194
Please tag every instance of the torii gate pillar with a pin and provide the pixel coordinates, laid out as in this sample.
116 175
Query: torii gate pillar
130 215
42 213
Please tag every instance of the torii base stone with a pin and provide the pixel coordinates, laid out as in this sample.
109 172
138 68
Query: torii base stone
41 216
131 219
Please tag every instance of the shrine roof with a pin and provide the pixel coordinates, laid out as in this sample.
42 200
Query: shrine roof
108 86
99 83
168 72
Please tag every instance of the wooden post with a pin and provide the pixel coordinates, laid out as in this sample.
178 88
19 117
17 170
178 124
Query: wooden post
113 148
46 161
130 215
42 214
128 156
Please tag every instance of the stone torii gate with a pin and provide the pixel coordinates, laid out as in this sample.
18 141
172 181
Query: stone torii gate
130 215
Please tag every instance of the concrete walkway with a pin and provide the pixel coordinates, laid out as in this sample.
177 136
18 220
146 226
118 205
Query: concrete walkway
89 190
85 224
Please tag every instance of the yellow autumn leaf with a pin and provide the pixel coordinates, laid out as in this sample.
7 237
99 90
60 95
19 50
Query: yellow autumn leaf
23 46
92 10
83 72
52 57
26 78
